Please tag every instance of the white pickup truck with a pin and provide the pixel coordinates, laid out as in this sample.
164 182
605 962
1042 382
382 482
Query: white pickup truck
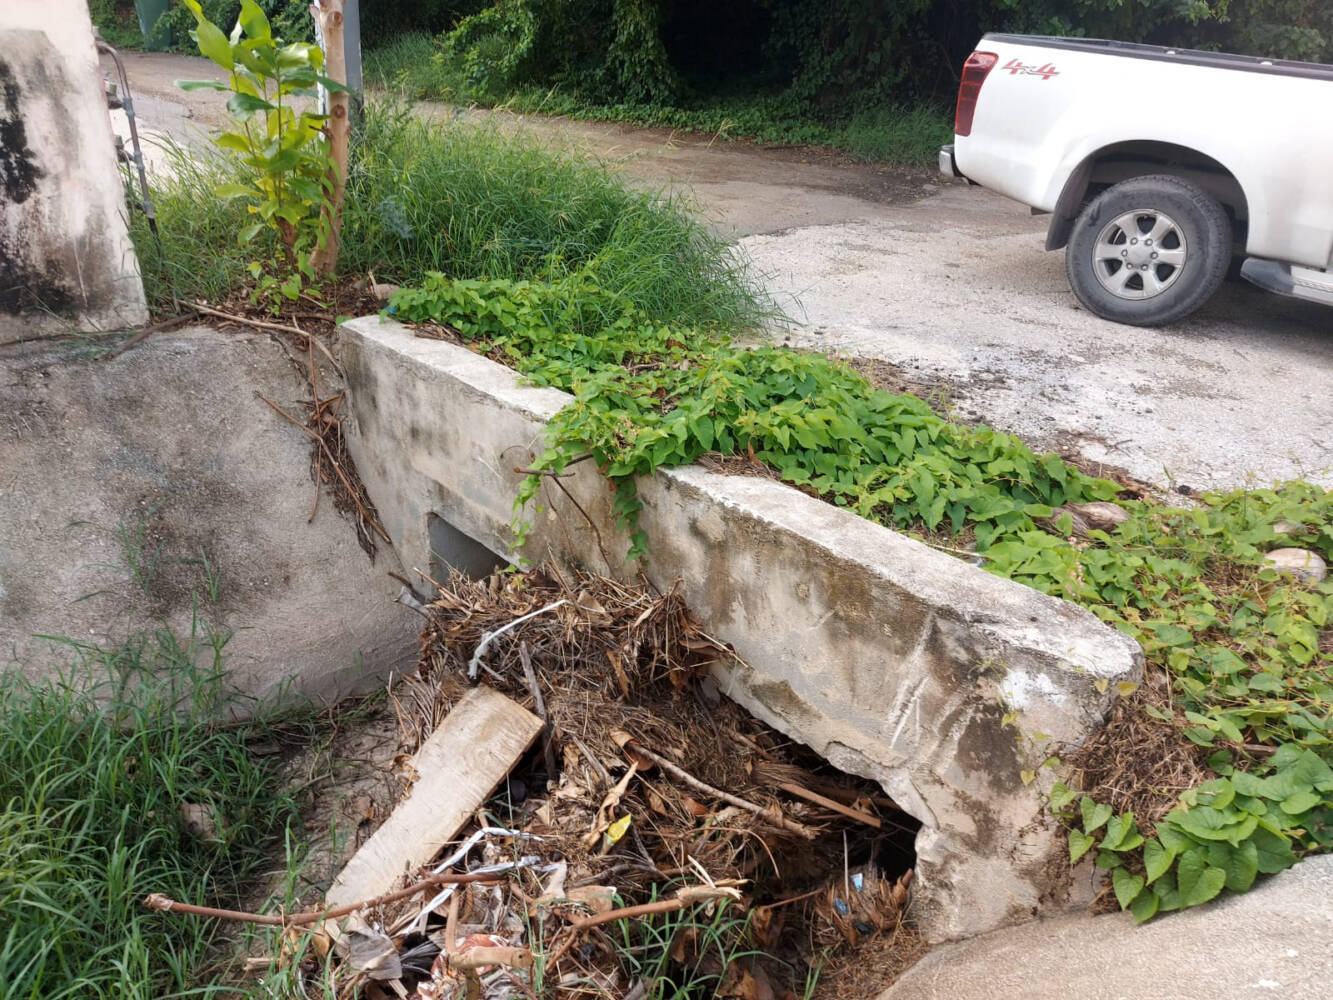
1157 166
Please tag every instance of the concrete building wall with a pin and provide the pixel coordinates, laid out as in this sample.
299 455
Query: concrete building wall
66 259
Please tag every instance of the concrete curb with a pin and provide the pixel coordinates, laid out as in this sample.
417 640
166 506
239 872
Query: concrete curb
892 659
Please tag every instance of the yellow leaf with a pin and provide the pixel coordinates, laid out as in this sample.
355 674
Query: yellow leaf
1028 776
1126 688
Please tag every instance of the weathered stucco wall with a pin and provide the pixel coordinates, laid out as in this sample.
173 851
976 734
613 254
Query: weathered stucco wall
893 660
65 254
145 488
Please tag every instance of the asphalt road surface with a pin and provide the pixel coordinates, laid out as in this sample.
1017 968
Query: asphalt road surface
949 286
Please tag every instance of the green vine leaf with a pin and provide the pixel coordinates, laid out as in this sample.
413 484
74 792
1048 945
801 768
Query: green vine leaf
1145 907
1156 859
1198 881
1127 887
1095 814
1079 844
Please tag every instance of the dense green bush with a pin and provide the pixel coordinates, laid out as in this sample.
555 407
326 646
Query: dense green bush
834 56
290 19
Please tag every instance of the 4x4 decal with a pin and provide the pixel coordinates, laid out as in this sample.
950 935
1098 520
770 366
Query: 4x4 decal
1045 71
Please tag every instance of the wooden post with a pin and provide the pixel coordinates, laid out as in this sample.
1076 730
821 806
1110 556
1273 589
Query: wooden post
328 15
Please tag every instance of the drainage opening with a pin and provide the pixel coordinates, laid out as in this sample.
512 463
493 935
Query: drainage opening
452 549
646 784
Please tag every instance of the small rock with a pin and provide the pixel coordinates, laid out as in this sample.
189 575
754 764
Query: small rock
1286 528
382 290
199 822
1079 526
1101 515
1302 564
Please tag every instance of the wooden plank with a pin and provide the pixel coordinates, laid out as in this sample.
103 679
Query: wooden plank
458 767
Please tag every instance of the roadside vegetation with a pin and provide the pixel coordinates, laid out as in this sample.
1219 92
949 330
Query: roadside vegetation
874 82
557 268
470 202
1239 691
121 778
414 66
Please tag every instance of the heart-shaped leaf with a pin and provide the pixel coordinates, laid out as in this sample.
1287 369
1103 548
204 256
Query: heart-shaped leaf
1094 813
1145 907
1198 881
1127 887
1156 859
1079 844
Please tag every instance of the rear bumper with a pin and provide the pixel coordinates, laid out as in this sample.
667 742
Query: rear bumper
949 166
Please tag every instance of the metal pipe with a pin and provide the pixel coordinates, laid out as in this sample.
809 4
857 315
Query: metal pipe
127 102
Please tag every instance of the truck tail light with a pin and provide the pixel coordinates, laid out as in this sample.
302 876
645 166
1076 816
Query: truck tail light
975 71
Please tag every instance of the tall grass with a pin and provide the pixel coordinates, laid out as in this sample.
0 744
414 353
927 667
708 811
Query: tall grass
430 196
406 65
474 203
92 777
196 254
901 134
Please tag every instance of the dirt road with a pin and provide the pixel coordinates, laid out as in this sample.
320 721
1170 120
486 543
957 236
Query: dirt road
950 285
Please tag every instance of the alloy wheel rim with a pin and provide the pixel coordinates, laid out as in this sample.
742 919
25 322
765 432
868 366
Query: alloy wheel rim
1139 254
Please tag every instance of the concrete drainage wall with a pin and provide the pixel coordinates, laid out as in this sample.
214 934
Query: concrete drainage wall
155 488
889 658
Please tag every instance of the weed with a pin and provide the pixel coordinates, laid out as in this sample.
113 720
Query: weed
477 204
94 769
422 196
290 175
197 255
686 953
405 66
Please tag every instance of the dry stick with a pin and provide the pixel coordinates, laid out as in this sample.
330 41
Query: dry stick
165 904
265 325
769 813
469 960
601 547
645 909
373 522
548 734
328 15
319 453
838 807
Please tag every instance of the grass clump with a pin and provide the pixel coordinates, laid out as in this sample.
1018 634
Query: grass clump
93 774
424 196
196 254
474 203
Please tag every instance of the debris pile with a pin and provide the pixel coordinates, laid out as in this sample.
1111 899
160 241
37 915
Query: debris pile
589 817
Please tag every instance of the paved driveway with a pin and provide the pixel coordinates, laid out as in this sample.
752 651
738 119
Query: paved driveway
950 286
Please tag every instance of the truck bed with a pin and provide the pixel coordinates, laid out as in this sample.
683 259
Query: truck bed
1162 53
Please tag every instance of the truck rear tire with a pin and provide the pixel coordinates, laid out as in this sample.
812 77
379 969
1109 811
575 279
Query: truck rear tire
1148 251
